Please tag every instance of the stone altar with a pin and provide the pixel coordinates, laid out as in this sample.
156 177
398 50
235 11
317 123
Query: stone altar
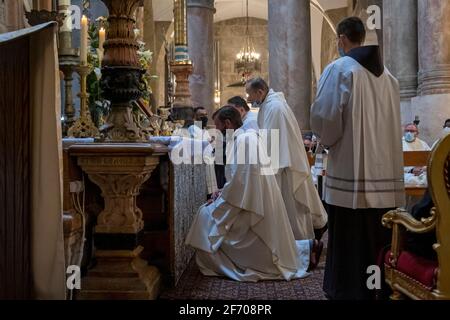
168 200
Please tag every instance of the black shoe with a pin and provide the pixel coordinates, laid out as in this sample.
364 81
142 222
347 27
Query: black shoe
318 233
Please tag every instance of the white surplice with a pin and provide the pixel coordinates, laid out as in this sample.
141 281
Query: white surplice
245 234
417 145
302 201
250 121
357 115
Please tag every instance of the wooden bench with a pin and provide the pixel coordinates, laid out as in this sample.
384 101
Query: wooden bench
432 281
416 159
410 159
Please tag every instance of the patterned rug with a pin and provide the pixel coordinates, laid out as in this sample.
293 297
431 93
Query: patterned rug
194 286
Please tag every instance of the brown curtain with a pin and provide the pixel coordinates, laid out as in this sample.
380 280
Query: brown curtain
31 229
15 159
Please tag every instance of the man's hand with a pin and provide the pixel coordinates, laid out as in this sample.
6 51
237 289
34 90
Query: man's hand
418 171
216 195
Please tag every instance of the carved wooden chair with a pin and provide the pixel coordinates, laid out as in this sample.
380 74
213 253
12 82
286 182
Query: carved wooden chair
410 275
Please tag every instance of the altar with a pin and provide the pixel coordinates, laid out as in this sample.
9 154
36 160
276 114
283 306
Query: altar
168 200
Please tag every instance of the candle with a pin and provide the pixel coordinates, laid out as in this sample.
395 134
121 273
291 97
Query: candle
101 41
101 38
84 40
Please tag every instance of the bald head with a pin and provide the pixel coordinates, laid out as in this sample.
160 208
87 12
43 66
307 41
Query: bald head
257 90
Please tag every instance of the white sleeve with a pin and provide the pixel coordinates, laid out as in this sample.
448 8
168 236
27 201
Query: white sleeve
333 95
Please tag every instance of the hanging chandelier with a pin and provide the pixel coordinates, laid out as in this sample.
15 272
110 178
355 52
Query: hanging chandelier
247 60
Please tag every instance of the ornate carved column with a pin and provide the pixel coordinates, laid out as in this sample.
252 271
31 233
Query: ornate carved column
122 76
432 106
43 12
68 60
119 170
150 44
200 15
290 57
181 67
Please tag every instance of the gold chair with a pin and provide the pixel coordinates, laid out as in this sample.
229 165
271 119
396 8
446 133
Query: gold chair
436 273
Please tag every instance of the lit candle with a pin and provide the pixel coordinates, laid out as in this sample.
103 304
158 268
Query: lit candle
101 41
84 40
101 38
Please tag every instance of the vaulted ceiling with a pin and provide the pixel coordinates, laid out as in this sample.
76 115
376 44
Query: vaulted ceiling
227 9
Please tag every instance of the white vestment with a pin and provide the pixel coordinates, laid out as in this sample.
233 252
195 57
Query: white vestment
303 204
250 121
211 181
357 115
411 180
245 234
417 145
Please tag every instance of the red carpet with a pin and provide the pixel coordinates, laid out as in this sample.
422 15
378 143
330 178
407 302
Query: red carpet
194 286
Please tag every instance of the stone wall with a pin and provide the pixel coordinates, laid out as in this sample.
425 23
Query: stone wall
231 36
12 15
329 43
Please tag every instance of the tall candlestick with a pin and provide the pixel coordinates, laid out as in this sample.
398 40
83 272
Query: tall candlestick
84 40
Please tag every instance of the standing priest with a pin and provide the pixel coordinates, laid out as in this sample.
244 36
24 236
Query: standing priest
357 115
293 173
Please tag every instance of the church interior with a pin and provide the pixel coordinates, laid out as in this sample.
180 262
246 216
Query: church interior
93 92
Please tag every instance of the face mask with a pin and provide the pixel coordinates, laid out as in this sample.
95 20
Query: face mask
341 52
446 131
204 121
256 104
410 137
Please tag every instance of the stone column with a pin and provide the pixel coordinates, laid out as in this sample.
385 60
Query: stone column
432 106
400 49
290 57
200 15
150 44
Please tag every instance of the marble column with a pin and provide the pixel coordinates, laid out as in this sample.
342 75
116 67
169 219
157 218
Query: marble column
400 49
200 16
290 57
432 106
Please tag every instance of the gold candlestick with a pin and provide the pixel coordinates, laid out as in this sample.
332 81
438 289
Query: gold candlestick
84 127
